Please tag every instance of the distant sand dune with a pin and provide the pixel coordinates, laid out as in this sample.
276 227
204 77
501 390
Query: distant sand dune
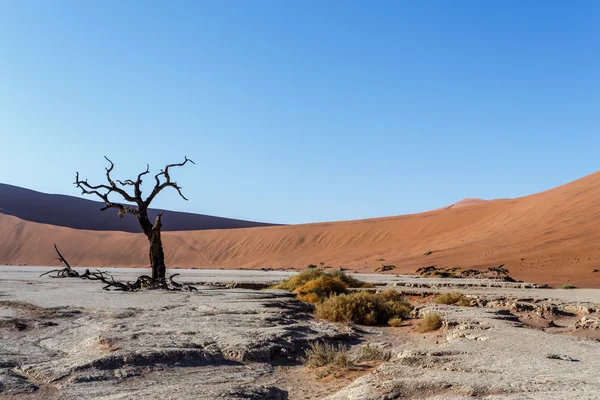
82 213
551 237
468 202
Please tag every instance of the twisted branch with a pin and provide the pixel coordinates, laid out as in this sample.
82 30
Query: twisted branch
142 282
167 183
103 191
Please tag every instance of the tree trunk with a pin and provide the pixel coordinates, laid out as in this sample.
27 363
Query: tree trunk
156 253
157 257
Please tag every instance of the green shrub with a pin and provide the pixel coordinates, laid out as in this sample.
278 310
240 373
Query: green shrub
364 308
429 322
311 266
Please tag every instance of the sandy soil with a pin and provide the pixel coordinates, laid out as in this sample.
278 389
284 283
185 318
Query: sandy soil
550 237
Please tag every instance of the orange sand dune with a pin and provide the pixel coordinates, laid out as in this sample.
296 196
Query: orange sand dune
551 237
468 202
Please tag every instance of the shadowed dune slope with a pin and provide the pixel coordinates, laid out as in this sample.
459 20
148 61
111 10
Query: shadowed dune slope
80 213
550 237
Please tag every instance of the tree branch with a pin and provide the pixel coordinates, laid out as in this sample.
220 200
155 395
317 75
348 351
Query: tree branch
103 191
138 183
168 183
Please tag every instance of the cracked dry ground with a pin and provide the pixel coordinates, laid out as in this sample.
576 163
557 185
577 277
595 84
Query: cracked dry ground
71 340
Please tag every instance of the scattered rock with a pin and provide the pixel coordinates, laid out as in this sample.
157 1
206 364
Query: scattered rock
256 393
562 357
496 273
588 323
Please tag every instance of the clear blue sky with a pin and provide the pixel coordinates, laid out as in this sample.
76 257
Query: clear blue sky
302 111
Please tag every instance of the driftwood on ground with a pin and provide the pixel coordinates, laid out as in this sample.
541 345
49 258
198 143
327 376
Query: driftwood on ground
66 272
142 282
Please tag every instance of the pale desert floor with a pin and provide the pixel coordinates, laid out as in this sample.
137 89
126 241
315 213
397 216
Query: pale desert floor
67 338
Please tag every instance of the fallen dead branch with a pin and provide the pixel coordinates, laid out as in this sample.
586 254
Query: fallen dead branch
66 272
143 282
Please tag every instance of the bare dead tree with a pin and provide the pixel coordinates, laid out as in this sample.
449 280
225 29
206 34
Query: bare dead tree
139 208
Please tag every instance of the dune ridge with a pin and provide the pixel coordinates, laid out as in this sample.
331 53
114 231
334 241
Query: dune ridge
549 237
82 213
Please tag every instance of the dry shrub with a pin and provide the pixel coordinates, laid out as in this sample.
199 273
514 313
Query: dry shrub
364 308
312 298
393 305
429 322
314 285
295 281
322 354
350 281
452 298
567 286
395 322
320 288
374 353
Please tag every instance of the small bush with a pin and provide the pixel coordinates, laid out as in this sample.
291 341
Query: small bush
364 308
380 259
313 285
596 270
395 322
373 353
349 280
354 307
311 266
295 281
428 252
309 298
429 322
567 286
321 354
451 299
320 288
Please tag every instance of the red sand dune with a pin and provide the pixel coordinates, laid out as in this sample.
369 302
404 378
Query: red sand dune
468 202
550 237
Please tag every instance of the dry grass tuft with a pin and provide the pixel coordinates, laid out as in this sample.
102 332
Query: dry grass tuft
567 286
430 322
374 353
313 285
322 354
350 281
315 290
452 299
395 322
295 281
364 308
312 298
